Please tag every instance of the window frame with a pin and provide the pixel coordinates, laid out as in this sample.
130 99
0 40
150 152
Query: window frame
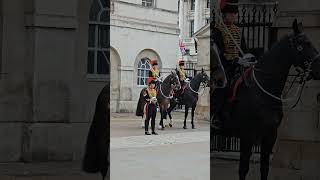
191 27
207 20
146 72
96 48
192 5
146 3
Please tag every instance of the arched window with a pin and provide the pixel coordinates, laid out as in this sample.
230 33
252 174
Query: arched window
143 72
98 41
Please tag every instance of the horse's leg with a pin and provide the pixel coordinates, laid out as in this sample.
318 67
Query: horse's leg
186 109
192 116
267 144
172 106
161 120
165 117
245 154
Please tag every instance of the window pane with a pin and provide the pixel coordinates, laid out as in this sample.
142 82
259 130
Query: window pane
90 65
104 3
147 3
91 37
102 63
145 81
104 16
95 8
191 27
192 4
103 36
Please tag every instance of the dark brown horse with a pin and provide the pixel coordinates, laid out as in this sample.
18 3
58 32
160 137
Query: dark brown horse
164 94
257 112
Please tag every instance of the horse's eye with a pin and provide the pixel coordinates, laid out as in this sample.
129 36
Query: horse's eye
299 48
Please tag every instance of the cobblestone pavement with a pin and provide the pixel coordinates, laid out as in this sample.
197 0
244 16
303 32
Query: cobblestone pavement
163 139
174 154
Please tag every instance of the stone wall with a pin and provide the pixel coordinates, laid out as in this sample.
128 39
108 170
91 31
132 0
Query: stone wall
298 145
203 56
148 32
44 109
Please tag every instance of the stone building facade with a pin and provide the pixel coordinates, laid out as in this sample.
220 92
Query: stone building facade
202 37
298 146
47 96
140 30
193 15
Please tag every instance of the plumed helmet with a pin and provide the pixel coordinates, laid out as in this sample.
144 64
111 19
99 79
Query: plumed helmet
229 6
181 63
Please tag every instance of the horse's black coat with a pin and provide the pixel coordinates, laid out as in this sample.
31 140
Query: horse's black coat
190 98
96 158
256 116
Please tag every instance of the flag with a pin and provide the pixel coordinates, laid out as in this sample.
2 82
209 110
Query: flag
182 48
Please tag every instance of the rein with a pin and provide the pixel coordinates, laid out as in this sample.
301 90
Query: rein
169 97
197 92
269 93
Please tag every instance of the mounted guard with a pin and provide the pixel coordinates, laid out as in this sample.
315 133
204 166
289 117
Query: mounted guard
231 45
183 80
154 73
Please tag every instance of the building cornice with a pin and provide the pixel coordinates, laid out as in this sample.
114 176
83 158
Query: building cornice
142 24
140 6
284 19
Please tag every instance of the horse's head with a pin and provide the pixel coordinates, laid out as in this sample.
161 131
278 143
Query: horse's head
307 56
204 78
217 73
174 81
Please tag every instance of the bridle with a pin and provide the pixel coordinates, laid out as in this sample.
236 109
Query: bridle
303 75
172 84
203 84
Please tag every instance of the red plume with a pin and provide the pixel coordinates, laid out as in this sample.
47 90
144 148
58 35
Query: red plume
222 3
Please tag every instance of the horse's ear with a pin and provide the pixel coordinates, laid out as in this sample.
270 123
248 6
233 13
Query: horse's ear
297 28
202 70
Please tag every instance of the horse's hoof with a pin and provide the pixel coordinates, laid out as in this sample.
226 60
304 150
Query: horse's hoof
193 127
185 127
170 125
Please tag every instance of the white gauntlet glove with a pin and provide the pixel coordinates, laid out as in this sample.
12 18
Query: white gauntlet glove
247 60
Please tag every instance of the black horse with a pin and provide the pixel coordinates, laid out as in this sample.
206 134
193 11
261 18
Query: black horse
190 97
257 112
164 93
96 158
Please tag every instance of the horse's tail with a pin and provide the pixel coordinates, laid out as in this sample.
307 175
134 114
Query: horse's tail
139 109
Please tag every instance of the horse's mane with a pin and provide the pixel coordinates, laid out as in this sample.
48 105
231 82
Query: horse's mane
273 47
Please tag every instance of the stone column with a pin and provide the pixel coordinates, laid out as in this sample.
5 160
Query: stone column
181 19
197 15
